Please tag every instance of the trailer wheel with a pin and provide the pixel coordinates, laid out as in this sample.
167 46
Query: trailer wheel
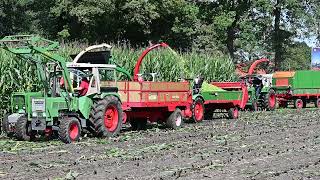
69 130
317 103
175 120
23 129
233 113
138 124
107 117
270 100
298 103
197 110
6 127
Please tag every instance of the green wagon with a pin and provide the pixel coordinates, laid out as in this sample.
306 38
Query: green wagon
229 96
297 87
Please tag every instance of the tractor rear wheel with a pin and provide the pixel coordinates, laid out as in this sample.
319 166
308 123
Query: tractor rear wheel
270 100
138 124
298 103
233 113
197 110
23 129
175 120
107 117
317 103
69 130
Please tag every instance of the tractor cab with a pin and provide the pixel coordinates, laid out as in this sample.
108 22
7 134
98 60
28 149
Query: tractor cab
94 73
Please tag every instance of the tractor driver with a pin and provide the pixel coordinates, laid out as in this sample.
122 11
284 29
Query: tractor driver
257 83
84 86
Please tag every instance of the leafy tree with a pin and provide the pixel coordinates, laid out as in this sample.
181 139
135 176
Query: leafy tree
297 57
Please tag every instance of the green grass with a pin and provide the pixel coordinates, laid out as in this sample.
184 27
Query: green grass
18 75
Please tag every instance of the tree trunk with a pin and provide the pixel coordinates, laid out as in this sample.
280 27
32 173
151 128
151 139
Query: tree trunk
231 36
277 43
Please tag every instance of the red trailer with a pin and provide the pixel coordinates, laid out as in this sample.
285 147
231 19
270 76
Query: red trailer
164 102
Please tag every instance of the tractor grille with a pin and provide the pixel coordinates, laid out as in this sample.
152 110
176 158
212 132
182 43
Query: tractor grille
38 105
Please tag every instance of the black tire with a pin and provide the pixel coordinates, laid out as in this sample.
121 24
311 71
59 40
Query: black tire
69 130
233 113
138 124
175 120
197 114
317 103
298 103
5 126
254 105
99 111
23 129
270 100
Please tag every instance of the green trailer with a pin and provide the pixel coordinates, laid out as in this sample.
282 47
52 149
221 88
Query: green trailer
297 87
207 98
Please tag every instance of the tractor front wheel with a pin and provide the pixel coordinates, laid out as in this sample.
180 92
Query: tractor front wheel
69 130
233 113
298 103
197 110
23 129
270 100
175 120
6 127
107 117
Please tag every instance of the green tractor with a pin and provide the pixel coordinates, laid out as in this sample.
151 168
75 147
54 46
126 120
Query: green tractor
59 108
261 93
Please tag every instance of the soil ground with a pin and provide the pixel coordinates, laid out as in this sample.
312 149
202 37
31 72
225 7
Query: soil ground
260 145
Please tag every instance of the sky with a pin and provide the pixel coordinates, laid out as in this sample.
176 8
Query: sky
311 42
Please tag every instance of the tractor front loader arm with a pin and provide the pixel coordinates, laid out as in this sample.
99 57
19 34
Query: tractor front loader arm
32 48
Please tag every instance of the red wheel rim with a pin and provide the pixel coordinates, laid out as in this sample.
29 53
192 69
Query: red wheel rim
299 103
111 117
235 113
198 111
272 100
73 131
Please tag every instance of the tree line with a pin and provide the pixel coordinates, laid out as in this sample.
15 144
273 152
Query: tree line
243 29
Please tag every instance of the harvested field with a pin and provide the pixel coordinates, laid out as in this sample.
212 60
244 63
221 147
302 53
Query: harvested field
262 145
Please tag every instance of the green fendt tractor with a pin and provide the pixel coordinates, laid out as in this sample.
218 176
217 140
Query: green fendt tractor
261 92
59 108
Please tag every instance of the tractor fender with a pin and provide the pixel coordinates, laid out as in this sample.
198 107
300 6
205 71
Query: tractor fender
103 95
197 96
